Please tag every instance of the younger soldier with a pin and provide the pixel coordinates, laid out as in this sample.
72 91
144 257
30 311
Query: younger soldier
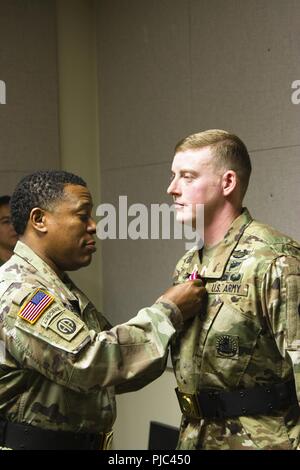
237 364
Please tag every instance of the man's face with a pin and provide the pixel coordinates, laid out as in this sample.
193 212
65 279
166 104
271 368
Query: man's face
69 242
195 180
8 236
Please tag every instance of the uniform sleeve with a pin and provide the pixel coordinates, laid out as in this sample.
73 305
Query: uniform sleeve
60 346
281 303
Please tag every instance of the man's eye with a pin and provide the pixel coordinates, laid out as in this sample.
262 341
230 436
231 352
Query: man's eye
172 177
84 217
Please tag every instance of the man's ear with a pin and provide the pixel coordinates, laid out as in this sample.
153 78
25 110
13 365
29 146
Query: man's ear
38 219
229 182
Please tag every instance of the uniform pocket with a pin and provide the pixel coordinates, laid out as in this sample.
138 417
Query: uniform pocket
267 432
229 346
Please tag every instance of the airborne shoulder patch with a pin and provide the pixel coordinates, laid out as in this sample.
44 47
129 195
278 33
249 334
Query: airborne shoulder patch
67 326
35 306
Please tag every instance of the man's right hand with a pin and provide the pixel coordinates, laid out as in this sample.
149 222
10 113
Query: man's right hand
190 297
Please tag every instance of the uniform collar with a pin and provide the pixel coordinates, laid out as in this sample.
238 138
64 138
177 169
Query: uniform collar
23 250
216 267
44 270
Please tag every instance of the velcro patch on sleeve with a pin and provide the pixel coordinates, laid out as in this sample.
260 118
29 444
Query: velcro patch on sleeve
54 310
20 295
35 306
66 326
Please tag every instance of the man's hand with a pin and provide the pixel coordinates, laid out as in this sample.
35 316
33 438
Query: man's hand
190 297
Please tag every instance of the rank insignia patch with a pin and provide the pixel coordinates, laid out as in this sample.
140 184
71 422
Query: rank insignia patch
35 306
227 346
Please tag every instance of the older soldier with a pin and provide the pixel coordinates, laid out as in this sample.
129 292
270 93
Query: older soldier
237 363
8 236
61 359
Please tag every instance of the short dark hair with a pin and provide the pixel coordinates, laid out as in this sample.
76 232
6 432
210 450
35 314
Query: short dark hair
229 152
40 189
4 200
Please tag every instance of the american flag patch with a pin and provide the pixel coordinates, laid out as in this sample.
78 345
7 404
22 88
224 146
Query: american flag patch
35 306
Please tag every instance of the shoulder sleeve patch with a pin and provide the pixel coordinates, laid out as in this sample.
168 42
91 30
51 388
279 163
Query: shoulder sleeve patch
35 306
19 295
66 327
59 328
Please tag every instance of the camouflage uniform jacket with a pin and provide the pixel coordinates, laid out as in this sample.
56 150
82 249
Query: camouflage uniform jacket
60 372
253 284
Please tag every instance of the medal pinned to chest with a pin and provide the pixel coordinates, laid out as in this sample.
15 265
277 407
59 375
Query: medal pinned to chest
196 275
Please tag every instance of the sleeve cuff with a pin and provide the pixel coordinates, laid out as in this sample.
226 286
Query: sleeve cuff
172 312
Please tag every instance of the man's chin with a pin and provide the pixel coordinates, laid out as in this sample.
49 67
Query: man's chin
80 264
86 261
185 220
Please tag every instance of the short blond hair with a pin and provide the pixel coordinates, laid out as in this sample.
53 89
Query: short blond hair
229 152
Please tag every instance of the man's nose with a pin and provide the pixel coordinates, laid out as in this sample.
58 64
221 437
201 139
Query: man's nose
91 228
173 187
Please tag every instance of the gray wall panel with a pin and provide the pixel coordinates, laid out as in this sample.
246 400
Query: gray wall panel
243 57
9 179
144 79
137 271
29 119
273 194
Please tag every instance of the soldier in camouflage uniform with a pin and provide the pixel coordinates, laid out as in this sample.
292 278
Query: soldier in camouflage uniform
60 360
237 365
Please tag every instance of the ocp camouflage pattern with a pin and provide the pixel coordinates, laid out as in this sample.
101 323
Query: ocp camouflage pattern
60 373
248 335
